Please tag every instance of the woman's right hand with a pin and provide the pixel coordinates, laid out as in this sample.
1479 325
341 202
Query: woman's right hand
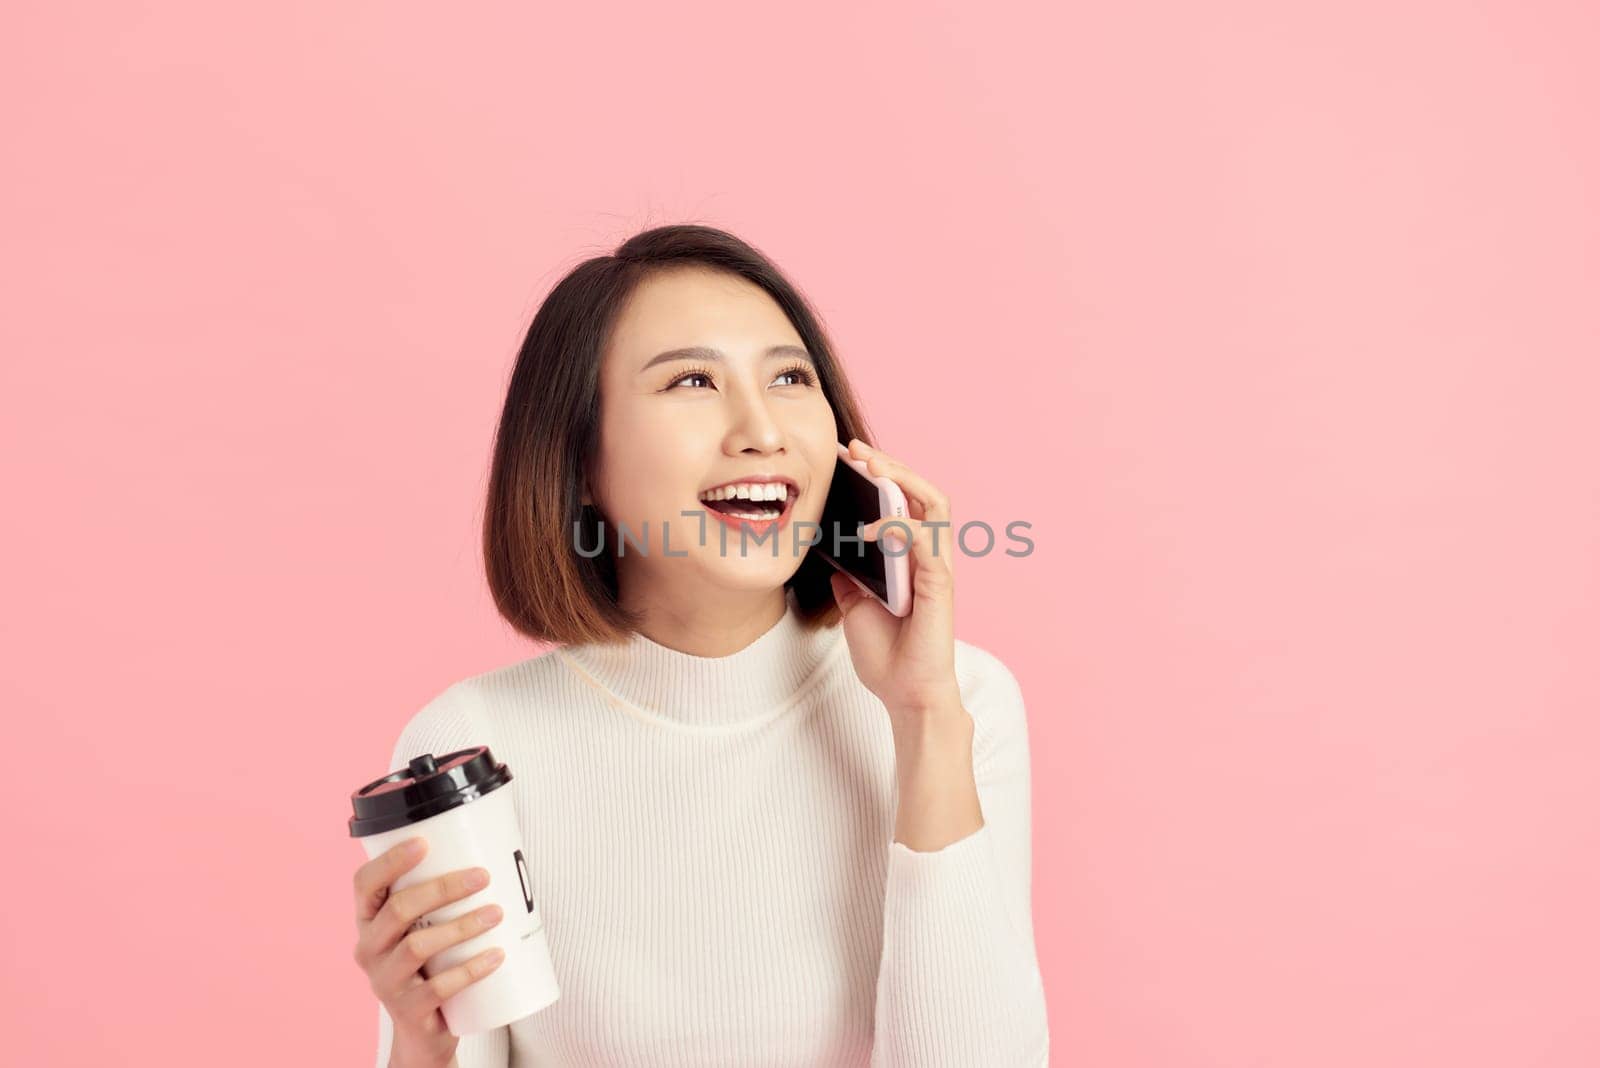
393 958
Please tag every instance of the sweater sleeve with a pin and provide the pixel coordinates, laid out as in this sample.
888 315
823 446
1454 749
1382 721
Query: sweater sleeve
959 980
444 724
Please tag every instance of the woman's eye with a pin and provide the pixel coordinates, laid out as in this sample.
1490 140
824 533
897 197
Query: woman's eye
691 376
803 375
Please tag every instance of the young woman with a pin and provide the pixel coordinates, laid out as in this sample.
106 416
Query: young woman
768 822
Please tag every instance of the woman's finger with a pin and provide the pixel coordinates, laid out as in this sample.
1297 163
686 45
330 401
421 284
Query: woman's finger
925 557
935 505
424 997
938 541
393 974
376 876
405 907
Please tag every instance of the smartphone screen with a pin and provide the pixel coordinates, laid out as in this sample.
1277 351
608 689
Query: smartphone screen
852 502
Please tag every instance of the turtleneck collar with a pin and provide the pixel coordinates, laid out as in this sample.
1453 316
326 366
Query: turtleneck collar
745 687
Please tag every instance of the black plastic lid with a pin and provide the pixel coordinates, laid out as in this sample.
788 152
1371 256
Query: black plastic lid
425 787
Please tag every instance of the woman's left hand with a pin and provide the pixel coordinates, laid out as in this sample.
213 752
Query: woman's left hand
908 663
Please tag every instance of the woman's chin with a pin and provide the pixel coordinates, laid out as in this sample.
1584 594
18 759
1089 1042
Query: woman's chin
750 573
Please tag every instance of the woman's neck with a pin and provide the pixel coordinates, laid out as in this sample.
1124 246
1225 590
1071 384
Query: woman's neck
710 623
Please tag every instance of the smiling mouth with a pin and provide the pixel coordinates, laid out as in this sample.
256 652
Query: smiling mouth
758 510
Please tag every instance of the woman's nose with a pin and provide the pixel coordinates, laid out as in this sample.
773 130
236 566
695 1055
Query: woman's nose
753 424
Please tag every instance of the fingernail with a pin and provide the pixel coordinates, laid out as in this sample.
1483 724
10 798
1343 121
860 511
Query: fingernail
414 846
478 878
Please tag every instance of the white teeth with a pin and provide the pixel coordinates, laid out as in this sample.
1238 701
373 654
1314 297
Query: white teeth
749 491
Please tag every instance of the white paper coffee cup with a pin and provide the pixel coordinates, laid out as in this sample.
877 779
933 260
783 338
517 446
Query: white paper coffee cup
460 804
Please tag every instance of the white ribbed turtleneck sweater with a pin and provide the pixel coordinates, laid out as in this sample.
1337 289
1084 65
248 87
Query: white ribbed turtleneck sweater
710 841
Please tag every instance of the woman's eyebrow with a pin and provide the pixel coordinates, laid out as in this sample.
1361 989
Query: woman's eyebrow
705 352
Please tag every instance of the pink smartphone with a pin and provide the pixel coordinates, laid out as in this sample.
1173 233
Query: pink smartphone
854 499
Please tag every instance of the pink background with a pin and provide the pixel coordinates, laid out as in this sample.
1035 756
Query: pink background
1279 325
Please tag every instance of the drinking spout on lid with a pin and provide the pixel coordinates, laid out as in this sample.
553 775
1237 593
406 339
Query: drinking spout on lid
422 765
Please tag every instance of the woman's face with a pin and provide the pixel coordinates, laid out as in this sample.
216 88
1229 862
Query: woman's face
673 429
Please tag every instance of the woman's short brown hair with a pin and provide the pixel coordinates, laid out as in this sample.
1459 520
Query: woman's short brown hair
550 429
